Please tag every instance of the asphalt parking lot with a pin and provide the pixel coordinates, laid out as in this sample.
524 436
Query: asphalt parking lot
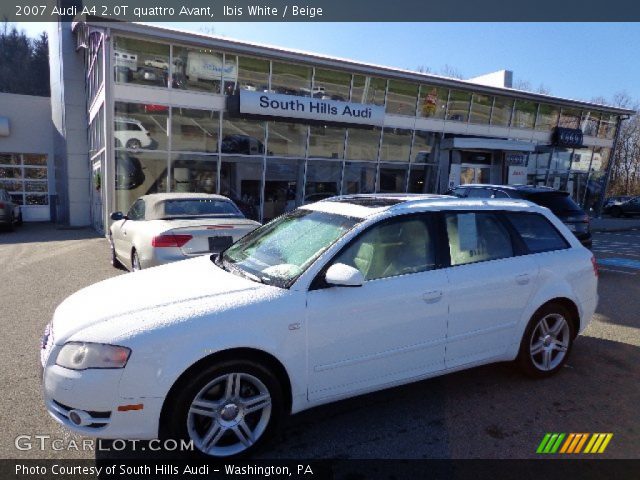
487 412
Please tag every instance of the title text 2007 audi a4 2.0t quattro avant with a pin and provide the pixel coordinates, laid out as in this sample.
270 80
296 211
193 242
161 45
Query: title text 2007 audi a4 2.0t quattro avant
338 298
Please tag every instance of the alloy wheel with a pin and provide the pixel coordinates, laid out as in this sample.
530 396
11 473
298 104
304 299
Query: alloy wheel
229 414
549 342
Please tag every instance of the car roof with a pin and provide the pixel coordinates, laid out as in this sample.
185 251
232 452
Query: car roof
368 205
154 207
519 188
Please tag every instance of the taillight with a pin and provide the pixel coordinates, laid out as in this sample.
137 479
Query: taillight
1 205
170 240
595 266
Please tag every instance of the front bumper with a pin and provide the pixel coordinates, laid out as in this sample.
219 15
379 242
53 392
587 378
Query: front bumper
96 392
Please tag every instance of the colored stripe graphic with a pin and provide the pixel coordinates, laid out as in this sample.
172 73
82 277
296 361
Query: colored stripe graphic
555 443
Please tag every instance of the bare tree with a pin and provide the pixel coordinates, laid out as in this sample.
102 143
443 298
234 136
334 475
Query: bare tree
451 72
625 170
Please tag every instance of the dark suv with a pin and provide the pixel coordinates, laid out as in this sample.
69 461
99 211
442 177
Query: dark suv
560 203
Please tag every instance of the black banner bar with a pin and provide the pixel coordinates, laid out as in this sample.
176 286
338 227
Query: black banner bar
548 469
325 10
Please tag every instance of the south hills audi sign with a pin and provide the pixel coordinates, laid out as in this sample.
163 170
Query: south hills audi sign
308 108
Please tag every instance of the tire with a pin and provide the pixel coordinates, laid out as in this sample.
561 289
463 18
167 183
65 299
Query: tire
134 144
212 409
114 258
135 261
616 212
11 226
553 347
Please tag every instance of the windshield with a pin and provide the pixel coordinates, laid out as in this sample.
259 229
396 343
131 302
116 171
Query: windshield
280 251
199 207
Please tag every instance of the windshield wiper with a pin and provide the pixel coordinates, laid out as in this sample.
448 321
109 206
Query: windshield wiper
230 267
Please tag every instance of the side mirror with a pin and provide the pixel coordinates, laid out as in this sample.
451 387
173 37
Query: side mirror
342 275
115 216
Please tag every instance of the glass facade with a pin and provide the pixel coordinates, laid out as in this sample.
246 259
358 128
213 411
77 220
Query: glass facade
269 167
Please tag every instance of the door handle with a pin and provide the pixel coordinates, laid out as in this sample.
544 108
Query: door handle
432 297
523 279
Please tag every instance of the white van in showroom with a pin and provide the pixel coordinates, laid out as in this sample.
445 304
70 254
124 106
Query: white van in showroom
338 298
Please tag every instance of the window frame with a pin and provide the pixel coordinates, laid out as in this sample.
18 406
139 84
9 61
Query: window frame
434 226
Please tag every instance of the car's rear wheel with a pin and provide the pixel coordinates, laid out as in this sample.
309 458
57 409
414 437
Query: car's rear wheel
228 410
547 341
135 261
616 212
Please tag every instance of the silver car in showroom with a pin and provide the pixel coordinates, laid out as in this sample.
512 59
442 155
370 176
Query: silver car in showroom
165 227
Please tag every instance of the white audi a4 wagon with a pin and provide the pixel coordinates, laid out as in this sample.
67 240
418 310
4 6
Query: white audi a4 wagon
338 298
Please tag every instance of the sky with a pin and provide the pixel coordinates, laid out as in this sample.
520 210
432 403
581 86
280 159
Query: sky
573 60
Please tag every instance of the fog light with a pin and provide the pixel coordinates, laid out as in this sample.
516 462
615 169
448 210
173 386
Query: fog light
79 418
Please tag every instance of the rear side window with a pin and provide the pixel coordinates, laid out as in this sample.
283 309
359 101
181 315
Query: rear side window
538 234
556 202
477 237
480 193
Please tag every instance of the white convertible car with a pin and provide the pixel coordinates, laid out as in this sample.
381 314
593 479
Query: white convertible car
166 227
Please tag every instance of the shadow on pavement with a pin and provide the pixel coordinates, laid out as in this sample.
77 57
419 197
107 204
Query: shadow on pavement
45 232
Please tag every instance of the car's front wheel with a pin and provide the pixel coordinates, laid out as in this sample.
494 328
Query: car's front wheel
114 258
547 341
228 409
134 144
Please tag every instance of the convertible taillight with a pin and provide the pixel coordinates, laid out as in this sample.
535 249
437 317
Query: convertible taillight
170 240
595 266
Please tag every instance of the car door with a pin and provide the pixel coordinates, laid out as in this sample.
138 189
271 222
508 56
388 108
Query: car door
490 284
391 328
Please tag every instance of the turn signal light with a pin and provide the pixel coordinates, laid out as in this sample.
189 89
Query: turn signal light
170 240
128 408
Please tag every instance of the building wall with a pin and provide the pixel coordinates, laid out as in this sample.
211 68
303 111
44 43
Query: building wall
30 129
177 112
69 116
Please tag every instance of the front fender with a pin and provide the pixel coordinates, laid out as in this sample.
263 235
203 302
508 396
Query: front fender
160 356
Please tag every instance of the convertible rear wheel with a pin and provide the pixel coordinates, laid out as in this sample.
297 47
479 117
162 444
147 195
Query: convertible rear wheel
228 409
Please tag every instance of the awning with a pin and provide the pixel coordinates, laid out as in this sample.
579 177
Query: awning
466 143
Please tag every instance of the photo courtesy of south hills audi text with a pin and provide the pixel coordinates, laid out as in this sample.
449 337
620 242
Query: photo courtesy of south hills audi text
308 239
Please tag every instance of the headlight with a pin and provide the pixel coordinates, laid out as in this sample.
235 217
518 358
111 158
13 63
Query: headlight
81 355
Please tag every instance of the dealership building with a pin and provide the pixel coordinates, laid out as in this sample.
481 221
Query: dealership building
138 109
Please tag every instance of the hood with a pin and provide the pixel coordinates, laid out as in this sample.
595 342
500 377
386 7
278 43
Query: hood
168 293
